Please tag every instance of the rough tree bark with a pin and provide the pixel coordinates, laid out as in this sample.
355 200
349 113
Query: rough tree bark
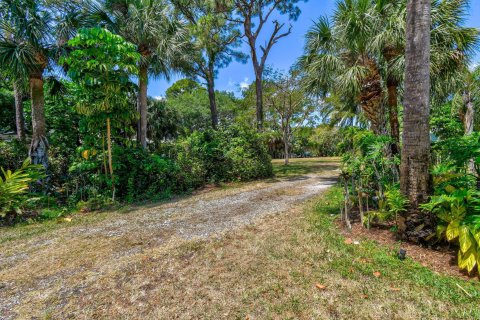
393 116
39 146
142 106
371 99
19 118
415 179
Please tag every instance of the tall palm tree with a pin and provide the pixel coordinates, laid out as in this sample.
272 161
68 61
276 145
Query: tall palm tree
415 163
359 55
159 36
339 59
26 40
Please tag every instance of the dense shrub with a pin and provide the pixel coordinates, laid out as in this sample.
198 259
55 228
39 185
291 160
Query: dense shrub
209 156
12 154
233 154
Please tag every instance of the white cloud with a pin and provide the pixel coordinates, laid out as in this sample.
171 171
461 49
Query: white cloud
244 84
158 98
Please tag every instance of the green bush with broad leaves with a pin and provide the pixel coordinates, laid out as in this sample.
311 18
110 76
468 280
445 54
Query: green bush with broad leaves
458 212
14 186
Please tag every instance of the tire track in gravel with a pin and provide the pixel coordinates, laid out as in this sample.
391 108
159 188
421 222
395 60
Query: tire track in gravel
42 263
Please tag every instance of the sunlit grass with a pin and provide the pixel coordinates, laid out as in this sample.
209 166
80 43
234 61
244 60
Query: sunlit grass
300 166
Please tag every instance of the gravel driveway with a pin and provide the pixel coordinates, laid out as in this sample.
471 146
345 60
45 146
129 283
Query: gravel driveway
41 272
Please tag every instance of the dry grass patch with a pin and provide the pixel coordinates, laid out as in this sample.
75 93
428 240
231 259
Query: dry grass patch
268 270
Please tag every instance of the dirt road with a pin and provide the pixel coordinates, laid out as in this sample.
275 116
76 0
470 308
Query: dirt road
57 273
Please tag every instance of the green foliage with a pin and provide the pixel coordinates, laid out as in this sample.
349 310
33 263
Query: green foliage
191 105
101 64
458 211
203 157
12 154
459 151
325 141
14 186
444 123
7 111
226 155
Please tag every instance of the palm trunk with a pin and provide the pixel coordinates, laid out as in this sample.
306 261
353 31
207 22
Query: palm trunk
39 147
142 106
415 177
371 98
259 96
211 98
19 118
393 116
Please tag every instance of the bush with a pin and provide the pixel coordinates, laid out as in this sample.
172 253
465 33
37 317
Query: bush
234 154
14 187
12 154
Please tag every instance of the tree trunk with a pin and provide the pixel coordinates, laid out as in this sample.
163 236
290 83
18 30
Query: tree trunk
19 119
393 116
259 96
468 126
371 98
211 98
469 114
39 147
414 169
110 162
142 106
285 143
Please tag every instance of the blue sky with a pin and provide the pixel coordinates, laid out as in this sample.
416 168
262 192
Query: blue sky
287 50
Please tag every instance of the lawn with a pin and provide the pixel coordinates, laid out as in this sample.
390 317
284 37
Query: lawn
300 166
290 265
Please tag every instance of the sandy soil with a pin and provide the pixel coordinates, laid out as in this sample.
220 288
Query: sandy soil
39 275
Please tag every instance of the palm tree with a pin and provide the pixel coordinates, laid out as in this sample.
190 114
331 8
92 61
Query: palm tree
340 60
26 40
359 55
415 163
158 35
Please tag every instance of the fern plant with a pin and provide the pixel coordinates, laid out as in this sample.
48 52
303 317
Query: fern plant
14 187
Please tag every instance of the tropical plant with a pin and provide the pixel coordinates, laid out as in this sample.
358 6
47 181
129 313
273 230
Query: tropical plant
101 64
458 212
14 186
356 59
160 39
26 42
